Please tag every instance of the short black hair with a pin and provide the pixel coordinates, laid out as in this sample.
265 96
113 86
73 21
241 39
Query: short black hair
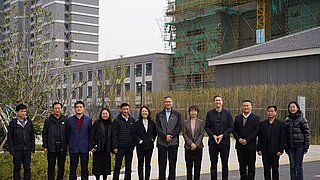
214 98
272 106
149 113
78 102
55 103
194 107
20 107
124 104
247 100
167 97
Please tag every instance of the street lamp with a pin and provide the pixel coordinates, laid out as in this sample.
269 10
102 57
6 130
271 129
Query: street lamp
141 85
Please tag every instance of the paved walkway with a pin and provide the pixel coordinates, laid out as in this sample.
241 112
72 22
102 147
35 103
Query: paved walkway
312 155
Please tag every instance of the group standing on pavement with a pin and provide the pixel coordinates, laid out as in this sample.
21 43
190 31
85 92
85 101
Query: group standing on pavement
268 138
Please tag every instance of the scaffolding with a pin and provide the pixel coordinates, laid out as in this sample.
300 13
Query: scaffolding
197 30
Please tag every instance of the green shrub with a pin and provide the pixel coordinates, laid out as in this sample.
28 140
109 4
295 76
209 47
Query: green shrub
38 166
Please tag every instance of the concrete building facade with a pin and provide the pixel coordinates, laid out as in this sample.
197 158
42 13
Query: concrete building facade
74 32
149 72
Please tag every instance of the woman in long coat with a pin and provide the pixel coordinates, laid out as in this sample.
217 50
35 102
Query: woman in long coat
100 144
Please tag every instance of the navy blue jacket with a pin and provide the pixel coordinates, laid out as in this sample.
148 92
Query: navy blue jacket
79 139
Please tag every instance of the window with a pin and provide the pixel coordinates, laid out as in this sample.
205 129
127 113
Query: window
89 92
80 76
127 71
99 72
138 88
127 87
74 94
100 92
149 86
74 77
65 78
65 93
67 7
89 75
80 92
138 70
66 26
148 69
118 90
59 93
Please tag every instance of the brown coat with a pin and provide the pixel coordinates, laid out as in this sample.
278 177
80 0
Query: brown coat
198 134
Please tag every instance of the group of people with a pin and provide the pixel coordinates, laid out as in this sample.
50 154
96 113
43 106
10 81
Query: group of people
120 136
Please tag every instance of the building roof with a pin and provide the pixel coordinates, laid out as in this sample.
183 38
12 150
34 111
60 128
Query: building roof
298 44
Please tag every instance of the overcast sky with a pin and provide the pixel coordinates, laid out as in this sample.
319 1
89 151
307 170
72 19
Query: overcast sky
130 28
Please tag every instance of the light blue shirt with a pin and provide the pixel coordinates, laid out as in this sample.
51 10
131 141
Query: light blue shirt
168 113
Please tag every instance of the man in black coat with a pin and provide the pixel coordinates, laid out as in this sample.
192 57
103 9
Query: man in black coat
123 141
169 125
55 142
21 142
219 125
271 143
246 130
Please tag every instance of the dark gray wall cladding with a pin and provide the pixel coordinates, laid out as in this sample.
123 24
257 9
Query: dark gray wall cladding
277 71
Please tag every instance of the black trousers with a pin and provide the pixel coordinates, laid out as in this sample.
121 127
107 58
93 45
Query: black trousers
165 153
193 159
144 157
247 163
127 153
224 150
74 160
24 158
270 161
53 157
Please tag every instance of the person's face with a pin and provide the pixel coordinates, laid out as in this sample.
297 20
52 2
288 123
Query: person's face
22 113
246 107
218 102
125 110
271 113
57 109
105 115
79 109
293 108
193 113
144 113
168 103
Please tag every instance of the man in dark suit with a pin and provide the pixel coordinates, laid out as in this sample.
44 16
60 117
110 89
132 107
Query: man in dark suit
123 141
246 129
78 130
219 125
146 135
271 143
169 125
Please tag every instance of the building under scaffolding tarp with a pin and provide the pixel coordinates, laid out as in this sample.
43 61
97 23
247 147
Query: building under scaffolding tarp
196 30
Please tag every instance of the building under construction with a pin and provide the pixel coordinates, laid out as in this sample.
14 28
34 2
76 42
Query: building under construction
196 30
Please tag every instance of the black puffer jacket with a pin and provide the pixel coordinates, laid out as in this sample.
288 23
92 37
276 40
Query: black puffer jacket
123 132
297 132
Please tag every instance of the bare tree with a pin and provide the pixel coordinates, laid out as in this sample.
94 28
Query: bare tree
26 58
110 84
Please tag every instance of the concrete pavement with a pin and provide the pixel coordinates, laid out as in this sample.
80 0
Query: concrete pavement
312 155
